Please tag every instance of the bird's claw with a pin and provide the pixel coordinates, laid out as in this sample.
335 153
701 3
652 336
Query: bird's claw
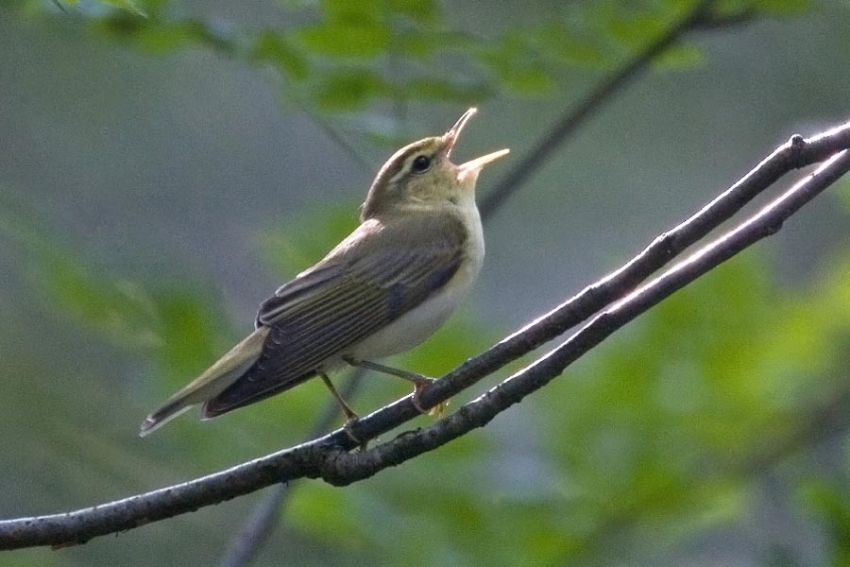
361 445
419 387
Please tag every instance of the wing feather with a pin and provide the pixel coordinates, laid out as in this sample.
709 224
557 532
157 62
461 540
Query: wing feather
377 274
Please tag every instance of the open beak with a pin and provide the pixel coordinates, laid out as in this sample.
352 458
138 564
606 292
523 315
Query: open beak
476 164
453 133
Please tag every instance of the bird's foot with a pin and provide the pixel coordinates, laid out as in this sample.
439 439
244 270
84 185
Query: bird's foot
419 386
347 428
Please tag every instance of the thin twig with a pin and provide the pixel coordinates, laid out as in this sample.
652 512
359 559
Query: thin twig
339 139
745 16
327 456
574 117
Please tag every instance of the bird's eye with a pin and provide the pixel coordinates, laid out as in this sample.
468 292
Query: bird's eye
420 164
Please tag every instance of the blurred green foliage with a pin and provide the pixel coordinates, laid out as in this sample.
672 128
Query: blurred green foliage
337 56
661 431
179 329
656 437
653 439
830 500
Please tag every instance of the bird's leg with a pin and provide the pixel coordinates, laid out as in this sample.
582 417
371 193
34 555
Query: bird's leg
420 382
350 416
404 374
349 413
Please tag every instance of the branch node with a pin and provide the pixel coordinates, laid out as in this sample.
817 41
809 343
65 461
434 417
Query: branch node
337 466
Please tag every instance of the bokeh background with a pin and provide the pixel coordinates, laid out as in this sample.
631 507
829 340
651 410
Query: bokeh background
165 165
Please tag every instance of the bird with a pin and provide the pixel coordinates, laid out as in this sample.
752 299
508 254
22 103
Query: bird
382 290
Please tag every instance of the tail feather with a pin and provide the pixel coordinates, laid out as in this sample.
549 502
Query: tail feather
212 382
162 416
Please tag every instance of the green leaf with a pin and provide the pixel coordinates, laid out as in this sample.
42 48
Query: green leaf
447 91
636 31
161 37
529 81
363 41
518 67
420 11
274 48
843 193
182 328
421 44
190 331
570 47
119 310
297 245
830 501
328 513
345 12
129 5
680 57
349 89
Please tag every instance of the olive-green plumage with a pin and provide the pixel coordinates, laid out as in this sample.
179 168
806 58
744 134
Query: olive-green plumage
384 289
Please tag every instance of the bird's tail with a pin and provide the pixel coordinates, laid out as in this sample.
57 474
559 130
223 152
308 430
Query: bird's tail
216 378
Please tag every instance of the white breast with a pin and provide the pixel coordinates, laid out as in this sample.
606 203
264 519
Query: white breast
421 322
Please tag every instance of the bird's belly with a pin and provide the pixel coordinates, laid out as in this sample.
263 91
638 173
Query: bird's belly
422 321
416 325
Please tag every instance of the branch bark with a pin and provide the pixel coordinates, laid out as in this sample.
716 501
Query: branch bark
351 467
328 458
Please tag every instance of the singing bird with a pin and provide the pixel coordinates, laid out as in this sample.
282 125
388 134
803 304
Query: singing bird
383 290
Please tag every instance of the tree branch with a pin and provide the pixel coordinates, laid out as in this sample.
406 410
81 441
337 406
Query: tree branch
327 456
245 544
351 467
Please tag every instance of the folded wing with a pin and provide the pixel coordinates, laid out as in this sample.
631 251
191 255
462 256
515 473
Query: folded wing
377 274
